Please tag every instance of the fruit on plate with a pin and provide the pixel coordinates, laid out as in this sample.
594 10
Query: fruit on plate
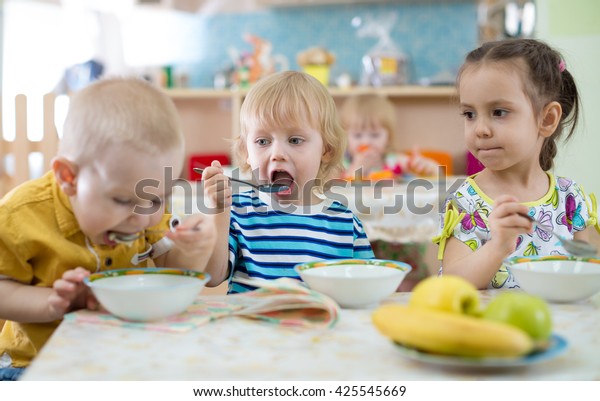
446 333
525 311
446 293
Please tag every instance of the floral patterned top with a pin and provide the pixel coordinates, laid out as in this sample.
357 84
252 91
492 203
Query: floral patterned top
564 208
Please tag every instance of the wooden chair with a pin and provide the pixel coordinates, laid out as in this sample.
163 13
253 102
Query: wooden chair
21 147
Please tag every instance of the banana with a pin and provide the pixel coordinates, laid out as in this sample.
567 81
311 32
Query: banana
450 333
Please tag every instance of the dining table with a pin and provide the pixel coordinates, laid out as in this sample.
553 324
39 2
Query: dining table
243 349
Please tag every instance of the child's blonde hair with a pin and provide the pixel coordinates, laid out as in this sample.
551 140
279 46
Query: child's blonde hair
369 111
293 99
117 111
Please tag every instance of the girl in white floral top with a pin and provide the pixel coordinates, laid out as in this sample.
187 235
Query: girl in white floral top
516 97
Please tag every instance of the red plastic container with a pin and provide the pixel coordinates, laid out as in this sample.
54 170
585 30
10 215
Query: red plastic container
203 161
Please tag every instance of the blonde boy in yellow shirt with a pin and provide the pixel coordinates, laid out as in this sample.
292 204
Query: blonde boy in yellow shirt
121 146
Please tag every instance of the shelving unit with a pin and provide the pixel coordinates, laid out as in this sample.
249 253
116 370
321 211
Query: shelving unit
427 117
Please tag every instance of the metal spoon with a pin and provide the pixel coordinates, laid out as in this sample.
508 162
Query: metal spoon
574 246
273 188
121 238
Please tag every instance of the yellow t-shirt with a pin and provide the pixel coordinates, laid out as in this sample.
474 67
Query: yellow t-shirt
40 239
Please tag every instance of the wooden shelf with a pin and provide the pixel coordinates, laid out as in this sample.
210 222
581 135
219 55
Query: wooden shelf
391 91
398 91
199 93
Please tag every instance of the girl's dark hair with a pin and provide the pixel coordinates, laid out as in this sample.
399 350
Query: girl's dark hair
546 80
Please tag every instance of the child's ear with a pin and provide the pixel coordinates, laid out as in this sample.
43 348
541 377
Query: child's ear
65 172
550 118
327 152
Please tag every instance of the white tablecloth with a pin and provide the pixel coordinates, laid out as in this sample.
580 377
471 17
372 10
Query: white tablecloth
236 348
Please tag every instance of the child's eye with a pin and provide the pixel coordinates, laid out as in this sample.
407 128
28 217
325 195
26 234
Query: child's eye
500 113
123 201
261 142
469 115
296 141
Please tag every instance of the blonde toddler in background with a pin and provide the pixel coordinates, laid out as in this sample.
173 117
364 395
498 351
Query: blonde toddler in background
370 122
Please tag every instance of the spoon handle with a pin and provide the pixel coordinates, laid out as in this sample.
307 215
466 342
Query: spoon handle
243 182
201 170
540 225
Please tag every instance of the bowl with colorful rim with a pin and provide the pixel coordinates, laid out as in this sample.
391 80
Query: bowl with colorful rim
556 278
354 283
146 294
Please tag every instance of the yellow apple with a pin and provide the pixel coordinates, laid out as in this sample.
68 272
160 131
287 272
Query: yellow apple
525 311
446 293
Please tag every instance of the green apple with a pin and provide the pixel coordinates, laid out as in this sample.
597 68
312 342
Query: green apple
446 293
525 311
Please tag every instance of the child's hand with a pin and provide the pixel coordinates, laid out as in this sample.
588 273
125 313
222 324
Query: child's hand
420 165
506 224
69 293
217 187
197 235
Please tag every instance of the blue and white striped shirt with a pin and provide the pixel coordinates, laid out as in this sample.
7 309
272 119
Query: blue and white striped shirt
266 242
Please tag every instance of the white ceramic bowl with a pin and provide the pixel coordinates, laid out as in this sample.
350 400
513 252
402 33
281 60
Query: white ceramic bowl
148 293
354 283
557 278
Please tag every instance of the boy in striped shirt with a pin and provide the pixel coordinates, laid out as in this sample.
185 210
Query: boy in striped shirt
290 135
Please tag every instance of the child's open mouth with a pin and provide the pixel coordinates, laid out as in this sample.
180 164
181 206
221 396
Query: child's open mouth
282 177
113 238
109 238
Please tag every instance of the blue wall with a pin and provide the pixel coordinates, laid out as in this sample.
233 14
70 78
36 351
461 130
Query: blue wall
435 37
